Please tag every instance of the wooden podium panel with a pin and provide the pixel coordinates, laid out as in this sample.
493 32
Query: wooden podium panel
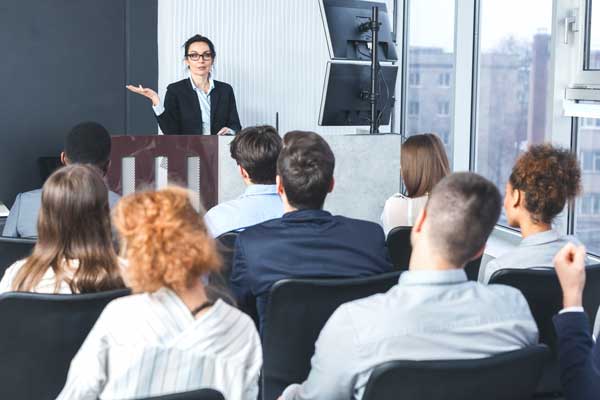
178 150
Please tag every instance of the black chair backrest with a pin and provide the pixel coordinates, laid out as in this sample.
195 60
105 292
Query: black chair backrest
398 244
226 247
297 311
202 394
41 333
508 376
542 291
13 249
400 249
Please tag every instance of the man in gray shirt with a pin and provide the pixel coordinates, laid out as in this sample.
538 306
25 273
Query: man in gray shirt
433 313
86 143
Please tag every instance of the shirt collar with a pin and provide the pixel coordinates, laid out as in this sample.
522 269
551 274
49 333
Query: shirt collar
197 89
541 238
257 190
307 213
433 277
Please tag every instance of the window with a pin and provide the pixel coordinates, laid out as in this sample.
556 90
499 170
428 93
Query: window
587 210
431 56
444 79
414 79
413 108
512 83
592 36
443 108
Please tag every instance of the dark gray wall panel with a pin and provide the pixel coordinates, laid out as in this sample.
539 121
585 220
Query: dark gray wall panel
63 62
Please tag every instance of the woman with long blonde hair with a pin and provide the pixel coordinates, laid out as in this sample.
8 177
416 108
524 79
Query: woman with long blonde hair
74 251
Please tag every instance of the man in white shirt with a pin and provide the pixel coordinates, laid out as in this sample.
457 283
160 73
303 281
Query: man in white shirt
433 313
255 150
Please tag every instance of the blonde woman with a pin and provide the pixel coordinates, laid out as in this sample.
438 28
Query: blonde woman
169 336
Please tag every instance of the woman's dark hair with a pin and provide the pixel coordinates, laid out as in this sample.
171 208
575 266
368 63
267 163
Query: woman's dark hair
256 150
200 38
305 166
73 225
423 163
549 177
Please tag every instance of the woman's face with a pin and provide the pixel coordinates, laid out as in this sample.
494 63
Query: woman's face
510 205
204 63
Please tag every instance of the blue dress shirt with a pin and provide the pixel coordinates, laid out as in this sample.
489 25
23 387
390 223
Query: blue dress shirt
259 203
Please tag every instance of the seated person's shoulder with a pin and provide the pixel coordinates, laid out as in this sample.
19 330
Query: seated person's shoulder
501 295
359 224
32 195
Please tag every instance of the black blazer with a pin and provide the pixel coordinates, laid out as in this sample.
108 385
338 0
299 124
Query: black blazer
182 115
303 244
579 357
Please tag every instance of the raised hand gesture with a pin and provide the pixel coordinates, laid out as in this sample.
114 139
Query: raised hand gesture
146 92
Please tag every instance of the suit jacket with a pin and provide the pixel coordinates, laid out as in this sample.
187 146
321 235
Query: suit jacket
183 116
22 219
303 244
579 357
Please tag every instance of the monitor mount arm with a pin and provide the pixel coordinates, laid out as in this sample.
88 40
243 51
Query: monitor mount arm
373 26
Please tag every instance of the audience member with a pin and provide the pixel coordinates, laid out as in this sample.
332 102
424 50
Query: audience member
86 143
169 336
434 312
578 354
307 241
255 150
542 181
74 252
423 163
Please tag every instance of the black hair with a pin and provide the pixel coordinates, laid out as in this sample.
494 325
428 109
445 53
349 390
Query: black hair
305 166
200 38
256 150
89 143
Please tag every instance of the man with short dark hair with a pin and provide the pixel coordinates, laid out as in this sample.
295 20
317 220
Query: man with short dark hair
307 241
255 150
86 143
433 313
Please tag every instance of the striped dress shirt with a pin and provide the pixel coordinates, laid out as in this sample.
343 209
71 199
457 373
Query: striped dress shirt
150 344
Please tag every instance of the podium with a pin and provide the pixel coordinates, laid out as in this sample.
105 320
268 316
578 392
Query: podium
147 162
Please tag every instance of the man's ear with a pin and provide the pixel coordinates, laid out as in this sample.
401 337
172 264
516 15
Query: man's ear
63 158
331 185
478 254
279 185
243 172
420 221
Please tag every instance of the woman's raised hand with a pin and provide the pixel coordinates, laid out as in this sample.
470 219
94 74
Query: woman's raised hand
146 92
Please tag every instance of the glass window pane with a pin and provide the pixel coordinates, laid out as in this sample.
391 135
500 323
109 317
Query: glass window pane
587 209
431 58
513 83
592 61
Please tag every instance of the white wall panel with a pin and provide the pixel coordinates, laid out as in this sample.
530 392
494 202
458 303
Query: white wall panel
273 53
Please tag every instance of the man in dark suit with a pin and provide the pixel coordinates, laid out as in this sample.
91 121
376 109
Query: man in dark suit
307 241
579 357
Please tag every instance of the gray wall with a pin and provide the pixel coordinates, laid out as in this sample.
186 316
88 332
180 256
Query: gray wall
67 61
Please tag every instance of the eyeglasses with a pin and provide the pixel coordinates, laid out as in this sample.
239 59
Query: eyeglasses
195 56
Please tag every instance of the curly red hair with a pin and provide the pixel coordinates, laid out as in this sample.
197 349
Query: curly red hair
549 176
165 240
